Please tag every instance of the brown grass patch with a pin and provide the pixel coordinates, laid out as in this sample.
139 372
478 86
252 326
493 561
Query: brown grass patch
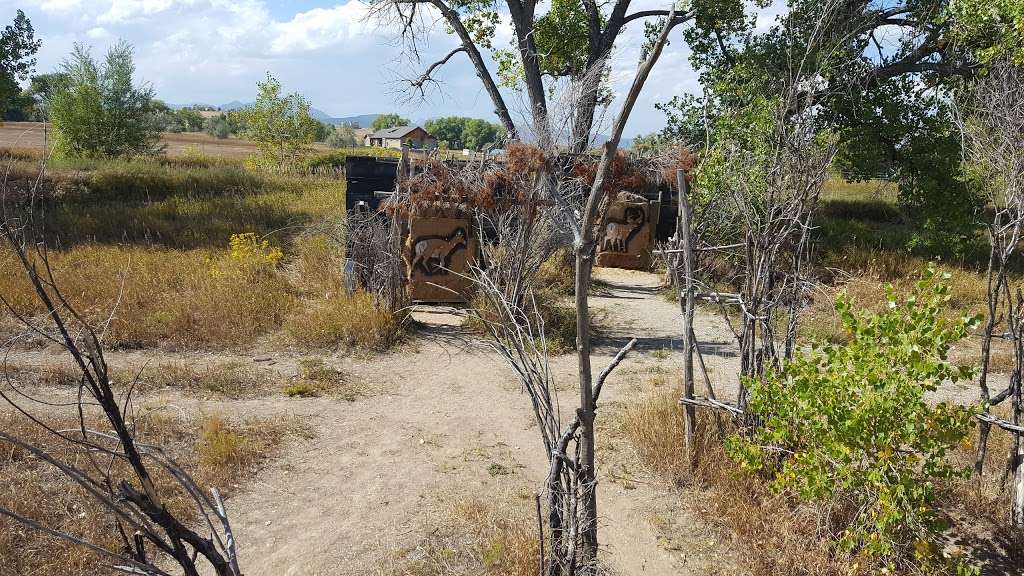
478 538
316 378
204 299
216 451
864 284
356 320
317 266
153 297
225 379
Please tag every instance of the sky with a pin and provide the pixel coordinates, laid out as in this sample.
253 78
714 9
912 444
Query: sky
214 51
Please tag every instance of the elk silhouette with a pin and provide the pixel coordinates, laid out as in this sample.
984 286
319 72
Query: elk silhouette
432 255
619 232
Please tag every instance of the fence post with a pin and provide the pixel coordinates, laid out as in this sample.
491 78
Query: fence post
684 231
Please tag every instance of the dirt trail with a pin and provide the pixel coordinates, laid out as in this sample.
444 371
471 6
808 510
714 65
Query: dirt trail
445 422
384 470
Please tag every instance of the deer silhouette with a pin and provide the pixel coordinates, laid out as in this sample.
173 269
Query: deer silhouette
619 232
432 255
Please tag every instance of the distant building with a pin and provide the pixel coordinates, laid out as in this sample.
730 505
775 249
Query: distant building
411 136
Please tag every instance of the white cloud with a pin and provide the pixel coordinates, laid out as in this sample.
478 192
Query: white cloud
60 5
321 28
126 10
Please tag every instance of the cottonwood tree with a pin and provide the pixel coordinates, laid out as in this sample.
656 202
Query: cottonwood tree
18 46
899 60
570 41
281 125
100 111
385 121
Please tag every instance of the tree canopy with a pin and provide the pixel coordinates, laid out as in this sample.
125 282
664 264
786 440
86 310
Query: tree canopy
883 87
460 132
18 47
385 121
279 124
100 111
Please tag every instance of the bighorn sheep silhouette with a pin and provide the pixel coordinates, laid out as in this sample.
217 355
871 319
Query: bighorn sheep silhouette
619 232
432 255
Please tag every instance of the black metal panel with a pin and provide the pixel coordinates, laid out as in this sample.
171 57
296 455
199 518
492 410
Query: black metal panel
364 176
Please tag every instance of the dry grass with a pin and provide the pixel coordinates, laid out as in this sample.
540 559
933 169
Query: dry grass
775 535
145 244
864 282
316 378
216 451
317 267
154 296
557 273
201 299
233 380
350 321
479 538
979 508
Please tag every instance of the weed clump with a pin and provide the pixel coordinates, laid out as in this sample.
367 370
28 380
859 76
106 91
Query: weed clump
358 320
316 378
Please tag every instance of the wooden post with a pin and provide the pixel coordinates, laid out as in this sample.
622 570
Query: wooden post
1017 456
684 232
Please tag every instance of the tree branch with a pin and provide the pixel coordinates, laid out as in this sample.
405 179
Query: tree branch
419 83
678 18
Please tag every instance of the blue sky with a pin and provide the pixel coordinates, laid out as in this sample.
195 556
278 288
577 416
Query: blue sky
214 51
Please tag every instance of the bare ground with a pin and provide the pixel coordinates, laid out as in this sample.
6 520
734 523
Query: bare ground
443 420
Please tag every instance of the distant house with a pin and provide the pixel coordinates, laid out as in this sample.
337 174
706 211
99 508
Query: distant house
411 136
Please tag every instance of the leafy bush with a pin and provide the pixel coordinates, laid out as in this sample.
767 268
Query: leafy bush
280 125
847 424
100 112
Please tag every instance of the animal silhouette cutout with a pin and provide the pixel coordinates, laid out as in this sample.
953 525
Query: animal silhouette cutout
432 255
619 232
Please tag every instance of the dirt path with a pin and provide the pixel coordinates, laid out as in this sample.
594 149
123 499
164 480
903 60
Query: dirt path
383 470
445 422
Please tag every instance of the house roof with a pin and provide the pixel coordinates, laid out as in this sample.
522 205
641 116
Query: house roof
396 132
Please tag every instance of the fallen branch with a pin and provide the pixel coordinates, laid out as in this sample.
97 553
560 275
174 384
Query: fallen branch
710 403
1008 426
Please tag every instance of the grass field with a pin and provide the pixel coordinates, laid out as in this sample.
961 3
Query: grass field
33 136
147 246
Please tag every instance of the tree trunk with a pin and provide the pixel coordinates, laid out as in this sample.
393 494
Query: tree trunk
586 476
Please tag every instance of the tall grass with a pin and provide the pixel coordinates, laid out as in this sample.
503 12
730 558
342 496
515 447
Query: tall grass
358 321
140 248
147 297
176 207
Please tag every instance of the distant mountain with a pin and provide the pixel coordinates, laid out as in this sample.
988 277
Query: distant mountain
233 105
362 120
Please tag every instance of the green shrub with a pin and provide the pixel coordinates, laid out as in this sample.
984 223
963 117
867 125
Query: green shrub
99 111
848 424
